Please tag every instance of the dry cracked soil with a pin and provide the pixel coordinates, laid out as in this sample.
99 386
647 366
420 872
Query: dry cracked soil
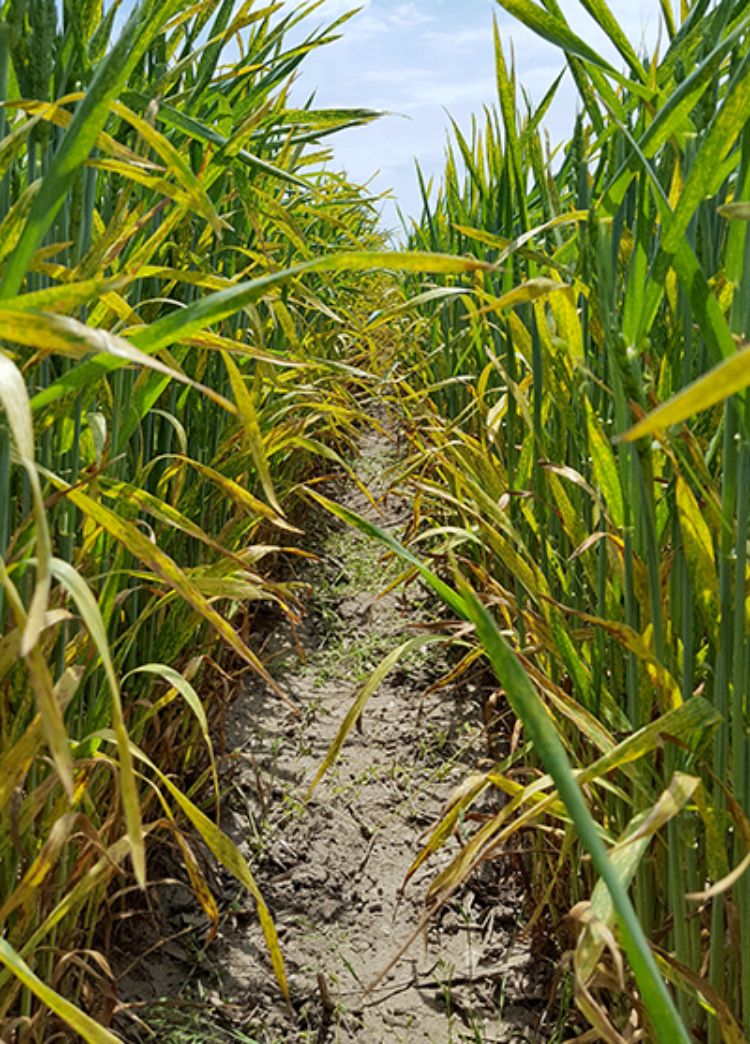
331 866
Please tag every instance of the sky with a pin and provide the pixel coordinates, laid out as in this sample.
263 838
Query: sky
419 60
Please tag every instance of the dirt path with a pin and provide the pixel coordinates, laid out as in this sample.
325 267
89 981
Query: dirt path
332 869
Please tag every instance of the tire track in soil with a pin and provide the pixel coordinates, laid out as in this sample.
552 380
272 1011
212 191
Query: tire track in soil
331 871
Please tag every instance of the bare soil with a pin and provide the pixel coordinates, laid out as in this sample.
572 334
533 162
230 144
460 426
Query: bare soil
332 868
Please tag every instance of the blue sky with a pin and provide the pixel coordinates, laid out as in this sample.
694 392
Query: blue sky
418 58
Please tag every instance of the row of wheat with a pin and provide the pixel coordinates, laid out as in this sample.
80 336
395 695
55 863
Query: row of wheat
581 454
167 379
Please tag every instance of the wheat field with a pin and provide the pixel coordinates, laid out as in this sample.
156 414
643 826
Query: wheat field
192 301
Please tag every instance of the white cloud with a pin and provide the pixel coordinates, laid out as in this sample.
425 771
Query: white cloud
462 38
418 58
376 20
447 93
408 16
